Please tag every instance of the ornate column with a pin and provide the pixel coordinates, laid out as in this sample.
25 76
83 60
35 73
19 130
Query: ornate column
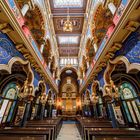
87 63
57 76
95 47
49 63
94 100
50 102
25 9
42 48
95 40
43 101
108 99
53 72
83 72
27 95
112 7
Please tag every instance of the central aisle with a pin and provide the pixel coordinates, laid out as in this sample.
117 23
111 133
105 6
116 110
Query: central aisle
69 131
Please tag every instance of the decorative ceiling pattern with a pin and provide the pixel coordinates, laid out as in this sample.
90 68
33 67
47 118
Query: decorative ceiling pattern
68 42
76 21
73 51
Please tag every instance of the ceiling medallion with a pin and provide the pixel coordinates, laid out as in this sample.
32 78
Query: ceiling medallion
68 27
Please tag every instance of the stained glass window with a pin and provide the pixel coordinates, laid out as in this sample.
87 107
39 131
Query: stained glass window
65 61
68 39
68 3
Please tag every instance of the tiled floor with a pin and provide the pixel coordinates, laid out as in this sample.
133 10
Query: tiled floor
69 131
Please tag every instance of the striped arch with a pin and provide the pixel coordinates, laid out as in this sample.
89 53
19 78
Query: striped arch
26 64
112 64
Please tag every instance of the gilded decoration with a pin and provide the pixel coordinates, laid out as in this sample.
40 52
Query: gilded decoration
94 97
90 52
132 26
108 56
43 97
21 48
5 27
111 90
47 51
102 21
35 22
112 64
115 2
76 22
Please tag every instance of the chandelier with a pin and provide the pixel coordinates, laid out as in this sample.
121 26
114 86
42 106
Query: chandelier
68 27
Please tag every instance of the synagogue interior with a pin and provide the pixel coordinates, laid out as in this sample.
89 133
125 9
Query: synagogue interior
69 69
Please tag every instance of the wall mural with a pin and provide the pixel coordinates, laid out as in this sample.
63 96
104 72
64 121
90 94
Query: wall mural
131 49
7 49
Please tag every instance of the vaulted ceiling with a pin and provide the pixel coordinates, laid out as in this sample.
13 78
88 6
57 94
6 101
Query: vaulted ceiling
68 42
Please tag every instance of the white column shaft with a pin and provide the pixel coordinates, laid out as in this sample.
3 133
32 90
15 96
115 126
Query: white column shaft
24 9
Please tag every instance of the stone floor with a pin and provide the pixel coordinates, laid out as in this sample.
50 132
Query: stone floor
69 131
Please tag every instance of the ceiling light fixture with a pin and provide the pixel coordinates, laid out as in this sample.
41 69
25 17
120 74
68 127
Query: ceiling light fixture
68 26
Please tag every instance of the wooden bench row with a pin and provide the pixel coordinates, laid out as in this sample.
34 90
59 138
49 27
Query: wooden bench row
50 123
34 130
83 124
91 129
25 134
111 134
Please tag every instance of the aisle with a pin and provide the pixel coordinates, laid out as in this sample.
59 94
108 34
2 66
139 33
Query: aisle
69 131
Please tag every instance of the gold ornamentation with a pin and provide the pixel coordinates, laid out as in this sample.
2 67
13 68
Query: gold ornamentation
111 90
132 25
26 90
43 98
5 27
68 27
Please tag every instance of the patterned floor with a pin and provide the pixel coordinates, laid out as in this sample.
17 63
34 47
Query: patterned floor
69 131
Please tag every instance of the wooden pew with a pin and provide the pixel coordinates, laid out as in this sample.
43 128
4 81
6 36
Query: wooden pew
82 124
25 134
112 134
53 128
48 123
19 137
